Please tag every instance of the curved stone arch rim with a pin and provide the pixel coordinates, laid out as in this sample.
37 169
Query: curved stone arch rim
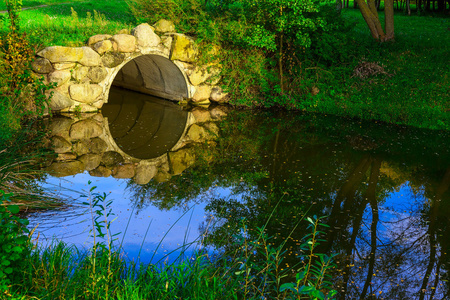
115 70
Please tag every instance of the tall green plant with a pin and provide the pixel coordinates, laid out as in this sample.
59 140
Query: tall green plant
100 211
258 266
14 242
313 279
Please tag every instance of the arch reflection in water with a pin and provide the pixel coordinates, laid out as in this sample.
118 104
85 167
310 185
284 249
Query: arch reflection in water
138 137
143 126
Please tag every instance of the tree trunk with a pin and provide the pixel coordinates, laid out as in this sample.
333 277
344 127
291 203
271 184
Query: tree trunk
280 60
389 19
370 15
339 5
408 7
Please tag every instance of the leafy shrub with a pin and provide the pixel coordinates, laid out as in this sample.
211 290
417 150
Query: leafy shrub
22 93
14 242
263 41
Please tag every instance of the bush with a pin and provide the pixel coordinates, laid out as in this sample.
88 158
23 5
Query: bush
263 41
15 246
22 93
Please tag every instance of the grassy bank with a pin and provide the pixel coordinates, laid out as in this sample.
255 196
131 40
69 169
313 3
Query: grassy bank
413 87
253 269
340 71
71 23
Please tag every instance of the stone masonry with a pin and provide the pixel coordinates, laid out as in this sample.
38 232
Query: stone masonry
84 75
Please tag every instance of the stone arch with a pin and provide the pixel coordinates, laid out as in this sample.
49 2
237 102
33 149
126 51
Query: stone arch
152 74
152 60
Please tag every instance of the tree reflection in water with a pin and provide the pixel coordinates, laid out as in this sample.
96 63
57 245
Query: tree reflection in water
384 190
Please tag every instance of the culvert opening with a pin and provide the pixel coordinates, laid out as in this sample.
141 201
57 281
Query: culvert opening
153 75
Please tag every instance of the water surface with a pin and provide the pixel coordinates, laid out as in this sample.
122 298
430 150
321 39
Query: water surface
383 190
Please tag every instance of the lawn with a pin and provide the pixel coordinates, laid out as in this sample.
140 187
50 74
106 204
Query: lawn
415 88
70 24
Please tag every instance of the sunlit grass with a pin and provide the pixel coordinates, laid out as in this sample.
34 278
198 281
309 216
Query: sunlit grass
71 24
34 3
415 91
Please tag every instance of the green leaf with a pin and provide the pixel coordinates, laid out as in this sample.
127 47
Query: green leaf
17 249
288 286
5 262
14 209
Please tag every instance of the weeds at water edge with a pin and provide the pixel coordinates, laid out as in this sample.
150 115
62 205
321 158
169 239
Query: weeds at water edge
252 271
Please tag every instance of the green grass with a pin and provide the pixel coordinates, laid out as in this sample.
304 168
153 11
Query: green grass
417 91
73 23
34 3
252 270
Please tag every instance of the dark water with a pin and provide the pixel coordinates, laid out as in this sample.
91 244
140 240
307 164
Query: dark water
383 190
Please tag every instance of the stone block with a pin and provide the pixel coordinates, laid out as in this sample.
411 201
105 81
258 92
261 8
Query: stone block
97 38
90 57
145 173
124 171
85 93
66 168
102 47
202 93
64 66
59 77
163 26
100 171
80 73
97 74
41 65
145 36
90 161
125 42
60 101
111 158
57 54
60 144
112 59
183 48
217 95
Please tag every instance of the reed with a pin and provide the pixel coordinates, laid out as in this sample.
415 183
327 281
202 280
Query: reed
253 270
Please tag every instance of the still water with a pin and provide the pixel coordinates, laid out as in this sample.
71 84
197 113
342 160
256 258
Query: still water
193 177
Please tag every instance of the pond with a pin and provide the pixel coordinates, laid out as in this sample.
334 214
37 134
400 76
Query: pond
183 179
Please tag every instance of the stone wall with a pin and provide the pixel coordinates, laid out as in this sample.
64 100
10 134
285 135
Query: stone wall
84 75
